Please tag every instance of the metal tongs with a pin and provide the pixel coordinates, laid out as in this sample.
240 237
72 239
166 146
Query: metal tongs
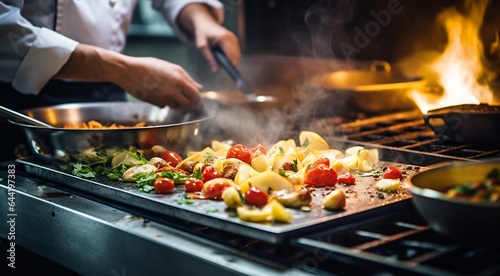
21 118
233 72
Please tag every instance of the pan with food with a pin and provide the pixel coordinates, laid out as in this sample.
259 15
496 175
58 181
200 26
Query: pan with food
83 128
460 200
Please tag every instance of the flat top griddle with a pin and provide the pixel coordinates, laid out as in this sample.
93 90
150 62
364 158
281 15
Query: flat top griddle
362 201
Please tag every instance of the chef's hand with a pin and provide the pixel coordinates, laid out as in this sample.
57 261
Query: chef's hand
161 83
206 32
148 79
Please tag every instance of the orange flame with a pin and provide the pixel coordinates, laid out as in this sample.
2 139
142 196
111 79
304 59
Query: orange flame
461 69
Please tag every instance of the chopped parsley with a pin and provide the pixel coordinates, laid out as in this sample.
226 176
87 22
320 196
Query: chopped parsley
306 143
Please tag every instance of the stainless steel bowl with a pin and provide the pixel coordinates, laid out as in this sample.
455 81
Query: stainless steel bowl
172 128
458 218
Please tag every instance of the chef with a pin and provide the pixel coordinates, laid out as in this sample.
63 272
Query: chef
54 52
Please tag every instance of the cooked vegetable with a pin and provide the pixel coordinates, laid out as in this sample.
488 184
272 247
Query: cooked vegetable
253 214
487 190
240 152
171 157
392 173
335 200
346 178
193 185
255 196
232 197
163 185
213 189
294 199
266 181
388 185
132 174
321 176
278 211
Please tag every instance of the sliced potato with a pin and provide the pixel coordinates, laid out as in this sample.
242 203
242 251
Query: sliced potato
313 141
280 148
278 211
367 159
261 163
353 150
244 172
351 161
232 198
339 166
388 185
266 181
253 214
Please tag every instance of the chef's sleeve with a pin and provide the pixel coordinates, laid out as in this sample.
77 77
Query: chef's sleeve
170 10
29 56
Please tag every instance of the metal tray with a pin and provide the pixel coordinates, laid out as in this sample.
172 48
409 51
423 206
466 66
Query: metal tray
363 201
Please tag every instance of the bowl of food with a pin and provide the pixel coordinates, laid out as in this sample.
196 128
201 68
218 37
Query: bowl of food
84 131
461 199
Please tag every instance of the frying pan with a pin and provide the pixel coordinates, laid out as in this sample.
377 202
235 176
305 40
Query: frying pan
467 123
219 99
374 90
170 128
460 219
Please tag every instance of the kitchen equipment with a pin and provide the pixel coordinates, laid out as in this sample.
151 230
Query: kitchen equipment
215 214
467 123
239 100
21 118
171 128
378 89
233 72
456 217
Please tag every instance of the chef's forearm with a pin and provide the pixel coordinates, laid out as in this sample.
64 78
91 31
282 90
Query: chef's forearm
90 63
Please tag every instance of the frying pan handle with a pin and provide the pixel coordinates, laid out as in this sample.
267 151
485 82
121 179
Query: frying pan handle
440 128
233 72
225 63
380 65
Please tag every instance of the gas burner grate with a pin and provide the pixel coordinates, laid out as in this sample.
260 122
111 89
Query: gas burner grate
402 131
400 243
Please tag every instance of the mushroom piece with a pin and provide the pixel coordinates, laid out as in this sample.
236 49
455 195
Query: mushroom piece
158 162
130 174
294 199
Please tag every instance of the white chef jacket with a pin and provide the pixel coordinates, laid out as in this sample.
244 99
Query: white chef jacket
38 36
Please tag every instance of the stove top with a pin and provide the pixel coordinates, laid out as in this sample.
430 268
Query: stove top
394 242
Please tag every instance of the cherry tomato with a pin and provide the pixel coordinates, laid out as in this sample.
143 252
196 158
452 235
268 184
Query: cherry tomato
163 185
171 157
322 161
258 149
240 152
346 178
255 196
321 176
209 172
193 185
393 173
214 190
